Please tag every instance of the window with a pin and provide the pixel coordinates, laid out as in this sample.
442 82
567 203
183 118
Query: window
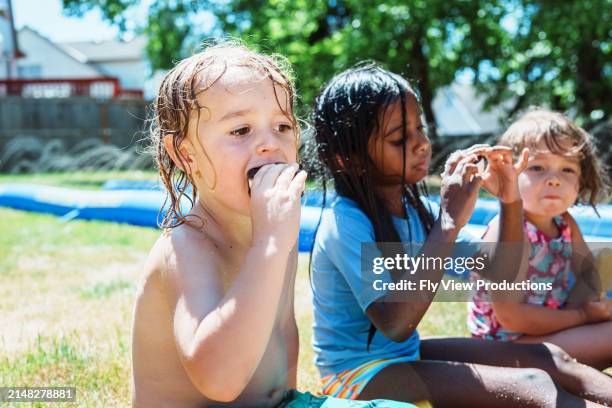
29 71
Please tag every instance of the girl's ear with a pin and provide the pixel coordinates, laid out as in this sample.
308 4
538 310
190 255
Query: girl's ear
184 158
353 162
339 162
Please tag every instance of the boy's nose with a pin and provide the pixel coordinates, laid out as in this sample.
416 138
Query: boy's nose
267 143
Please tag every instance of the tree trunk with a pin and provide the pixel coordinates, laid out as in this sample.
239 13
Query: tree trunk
590 85
420 67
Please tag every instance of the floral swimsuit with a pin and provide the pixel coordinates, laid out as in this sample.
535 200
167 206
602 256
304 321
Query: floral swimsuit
549 262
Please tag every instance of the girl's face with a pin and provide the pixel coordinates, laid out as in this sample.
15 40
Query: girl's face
241 127
386 147
550 183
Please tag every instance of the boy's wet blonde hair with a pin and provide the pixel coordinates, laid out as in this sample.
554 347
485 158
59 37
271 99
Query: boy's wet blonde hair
177 99
553 128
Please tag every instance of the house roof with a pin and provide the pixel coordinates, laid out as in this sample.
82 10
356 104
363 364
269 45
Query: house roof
102 51
27 29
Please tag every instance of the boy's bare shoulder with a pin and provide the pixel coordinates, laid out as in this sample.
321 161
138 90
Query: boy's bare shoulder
184 256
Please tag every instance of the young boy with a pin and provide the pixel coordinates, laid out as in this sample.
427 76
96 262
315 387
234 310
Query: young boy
214 321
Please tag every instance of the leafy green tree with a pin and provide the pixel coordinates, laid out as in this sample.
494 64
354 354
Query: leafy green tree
559 54
521 51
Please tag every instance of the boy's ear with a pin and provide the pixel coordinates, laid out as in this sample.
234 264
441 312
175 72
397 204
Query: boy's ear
184 158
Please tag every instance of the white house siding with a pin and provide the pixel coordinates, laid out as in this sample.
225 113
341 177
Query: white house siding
131 74
43 57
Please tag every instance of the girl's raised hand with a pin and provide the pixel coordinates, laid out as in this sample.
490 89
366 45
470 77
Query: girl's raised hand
459 191
500 177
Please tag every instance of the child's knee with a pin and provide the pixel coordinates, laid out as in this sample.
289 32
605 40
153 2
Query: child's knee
560 357
548 357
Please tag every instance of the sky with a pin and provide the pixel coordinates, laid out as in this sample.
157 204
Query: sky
46 17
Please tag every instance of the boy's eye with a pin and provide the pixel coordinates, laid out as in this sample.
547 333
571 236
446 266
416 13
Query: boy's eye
536 168
283 127
240 131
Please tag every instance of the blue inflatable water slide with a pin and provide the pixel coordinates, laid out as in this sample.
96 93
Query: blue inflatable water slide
139 203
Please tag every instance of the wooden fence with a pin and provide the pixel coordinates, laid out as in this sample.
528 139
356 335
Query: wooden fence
115 121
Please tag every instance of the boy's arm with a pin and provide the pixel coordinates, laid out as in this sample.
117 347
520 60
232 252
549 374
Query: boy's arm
290 329
222 338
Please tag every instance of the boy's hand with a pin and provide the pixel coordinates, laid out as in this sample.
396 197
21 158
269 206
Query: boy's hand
500 177
459 190
595 312
275 205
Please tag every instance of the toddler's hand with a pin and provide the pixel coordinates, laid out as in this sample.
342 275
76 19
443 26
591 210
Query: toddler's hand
608 303
459 190
595 312
275 205
500 177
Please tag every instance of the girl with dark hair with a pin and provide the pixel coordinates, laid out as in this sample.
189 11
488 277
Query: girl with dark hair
372 140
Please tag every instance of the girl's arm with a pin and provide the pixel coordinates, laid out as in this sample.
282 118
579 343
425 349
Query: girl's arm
588 283
393 314
506 245
396 317
539 320
508 257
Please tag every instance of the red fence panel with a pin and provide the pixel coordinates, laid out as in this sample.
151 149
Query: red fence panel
102 87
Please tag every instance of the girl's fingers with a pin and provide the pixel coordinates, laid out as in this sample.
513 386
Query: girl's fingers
463 162
499 155
469 170
477 148
457 156
451 162
522 162
297 185
476 182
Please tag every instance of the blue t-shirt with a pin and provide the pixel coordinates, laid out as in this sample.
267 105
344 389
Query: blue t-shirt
340 326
